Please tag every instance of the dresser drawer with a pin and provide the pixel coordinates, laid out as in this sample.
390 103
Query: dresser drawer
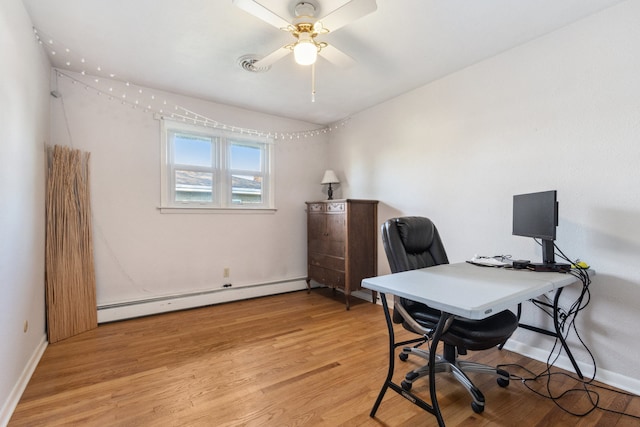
317 273
332 278
316 207
335 207
326 261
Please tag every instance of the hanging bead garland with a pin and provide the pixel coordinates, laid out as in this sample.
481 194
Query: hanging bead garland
96 80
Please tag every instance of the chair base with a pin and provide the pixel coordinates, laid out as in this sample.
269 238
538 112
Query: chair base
449 363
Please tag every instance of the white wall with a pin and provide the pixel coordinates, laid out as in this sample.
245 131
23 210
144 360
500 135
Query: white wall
24 123
141 253
561 112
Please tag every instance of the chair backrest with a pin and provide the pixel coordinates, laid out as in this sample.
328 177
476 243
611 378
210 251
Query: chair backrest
412 242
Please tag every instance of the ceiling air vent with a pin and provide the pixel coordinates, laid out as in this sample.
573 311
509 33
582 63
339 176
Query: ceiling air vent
247 63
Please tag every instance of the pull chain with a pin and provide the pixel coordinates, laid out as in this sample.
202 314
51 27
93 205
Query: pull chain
313 82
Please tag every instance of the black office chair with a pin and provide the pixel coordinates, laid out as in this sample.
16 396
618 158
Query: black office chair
411 243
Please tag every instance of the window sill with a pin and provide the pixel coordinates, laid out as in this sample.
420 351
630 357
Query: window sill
210 210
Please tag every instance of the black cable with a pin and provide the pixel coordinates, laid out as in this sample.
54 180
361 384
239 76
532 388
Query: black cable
567 322
592 395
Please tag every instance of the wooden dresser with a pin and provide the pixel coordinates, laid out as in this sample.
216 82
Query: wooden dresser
342 243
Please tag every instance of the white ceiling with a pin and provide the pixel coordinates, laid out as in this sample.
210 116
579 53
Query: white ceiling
192 47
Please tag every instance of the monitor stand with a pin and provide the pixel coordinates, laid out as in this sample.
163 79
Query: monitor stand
548 259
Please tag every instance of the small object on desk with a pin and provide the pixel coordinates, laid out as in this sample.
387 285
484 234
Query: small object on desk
520 264
550 267
580 264
486 261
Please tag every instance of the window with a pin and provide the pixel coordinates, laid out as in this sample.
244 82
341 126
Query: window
206 168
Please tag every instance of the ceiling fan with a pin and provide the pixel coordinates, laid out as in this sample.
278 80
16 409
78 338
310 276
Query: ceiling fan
305 27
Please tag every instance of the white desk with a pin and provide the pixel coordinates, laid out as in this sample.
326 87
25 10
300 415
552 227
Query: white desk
468 290
462 290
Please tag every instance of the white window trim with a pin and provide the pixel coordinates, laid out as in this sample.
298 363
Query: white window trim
225 206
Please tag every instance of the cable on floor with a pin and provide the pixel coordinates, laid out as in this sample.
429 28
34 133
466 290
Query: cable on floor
585 386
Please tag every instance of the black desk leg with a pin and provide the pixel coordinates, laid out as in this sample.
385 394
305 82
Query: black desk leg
444 321
433 408
556 333
392 348
556 325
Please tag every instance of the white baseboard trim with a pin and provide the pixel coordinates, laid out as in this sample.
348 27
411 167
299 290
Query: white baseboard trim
164 304
365 295
14 397
610 378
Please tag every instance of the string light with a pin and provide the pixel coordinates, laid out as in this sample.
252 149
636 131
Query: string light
179 113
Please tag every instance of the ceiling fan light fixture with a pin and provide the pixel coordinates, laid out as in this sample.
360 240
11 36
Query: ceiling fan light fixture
305 51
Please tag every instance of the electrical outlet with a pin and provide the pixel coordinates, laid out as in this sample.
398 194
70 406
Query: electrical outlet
226 272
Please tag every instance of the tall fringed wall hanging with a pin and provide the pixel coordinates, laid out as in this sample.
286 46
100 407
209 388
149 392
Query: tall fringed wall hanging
69 266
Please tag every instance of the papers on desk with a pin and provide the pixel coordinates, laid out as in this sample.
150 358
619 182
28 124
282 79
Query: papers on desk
485 261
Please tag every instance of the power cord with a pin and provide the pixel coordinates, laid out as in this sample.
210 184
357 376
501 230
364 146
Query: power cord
567 319
584 386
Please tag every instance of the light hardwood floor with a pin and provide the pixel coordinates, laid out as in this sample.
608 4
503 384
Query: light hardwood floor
295 359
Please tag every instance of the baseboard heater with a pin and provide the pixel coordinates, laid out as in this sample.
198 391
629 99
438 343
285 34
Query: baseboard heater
163 304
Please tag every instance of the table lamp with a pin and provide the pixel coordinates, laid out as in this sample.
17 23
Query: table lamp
330 178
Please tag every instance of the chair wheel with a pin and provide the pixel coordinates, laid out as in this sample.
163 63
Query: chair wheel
403 356
503 382
405 385
412 375
478 409
503 379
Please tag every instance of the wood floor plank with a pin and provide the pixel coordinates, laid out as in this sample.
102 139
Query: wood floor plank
295 359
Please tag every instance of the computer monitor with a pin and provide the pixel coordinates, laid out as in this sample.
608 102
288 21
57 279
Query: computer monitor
536 215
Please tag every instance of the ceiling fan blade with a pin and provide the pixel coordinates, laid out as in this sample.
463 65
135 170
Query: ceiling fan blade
261 12
337 57
347 13
274 56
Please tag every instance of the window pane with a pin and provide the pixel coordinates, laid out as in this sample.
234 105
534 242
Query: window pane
246 189
192 150
193 186
209 168
245 157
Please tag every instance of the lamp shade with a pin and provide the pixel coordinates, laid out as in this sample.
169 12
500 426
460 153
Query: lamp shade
330 177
